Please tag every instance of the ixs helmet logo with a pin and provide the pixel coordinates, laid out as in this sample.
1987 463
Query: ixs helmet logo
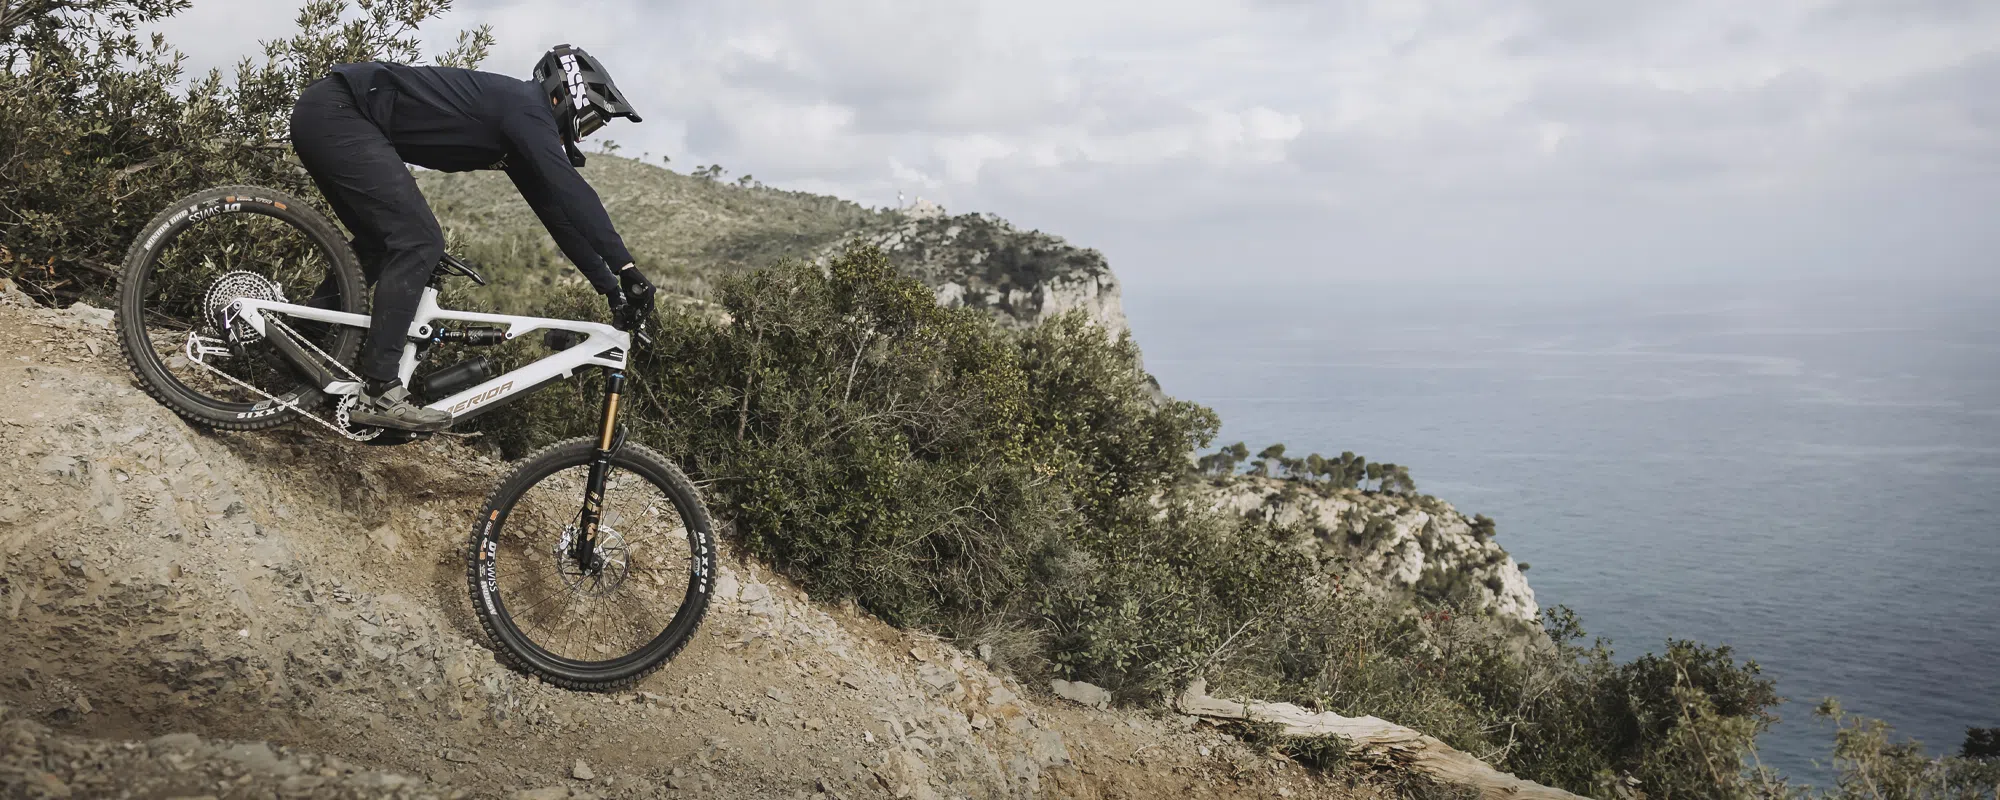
481 397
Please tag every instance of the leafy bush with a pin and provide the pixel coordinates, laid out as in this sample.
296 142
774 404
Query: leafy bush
1872 766
99 139
1349 471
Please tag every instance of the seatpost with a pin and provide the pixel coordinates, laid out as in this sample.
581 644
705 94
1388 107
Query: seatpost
585 551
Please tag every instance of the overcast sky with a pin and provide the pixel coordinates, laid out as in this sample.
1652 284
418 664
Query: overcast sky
1277 139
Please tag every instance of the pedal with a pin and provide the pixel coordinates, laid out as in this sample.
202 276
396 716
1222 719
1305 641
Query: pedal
199 348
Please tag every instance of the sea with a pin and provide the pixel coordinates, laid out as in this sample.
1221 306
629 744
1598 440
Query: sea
1805 471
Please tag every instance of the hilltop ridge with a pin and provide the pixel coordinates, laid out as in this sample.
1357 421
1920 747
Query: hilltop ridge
686 231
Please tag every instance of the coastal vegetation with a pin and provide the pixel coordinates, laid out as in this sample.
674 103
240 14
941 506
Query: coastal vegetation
1347 471
1024 492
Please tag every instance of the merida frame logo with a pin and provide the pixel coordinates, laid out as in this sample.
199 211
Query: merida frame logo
481 397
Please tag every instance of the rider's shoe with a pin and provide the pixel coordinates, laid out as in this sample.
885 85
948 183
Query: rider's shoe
390 407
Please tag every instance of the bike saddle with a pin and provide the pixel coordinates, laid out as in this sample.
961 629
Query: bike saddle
450 265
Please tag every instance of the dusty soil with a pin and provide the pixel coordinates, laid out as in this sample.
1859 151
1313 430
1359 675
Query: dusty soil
281 614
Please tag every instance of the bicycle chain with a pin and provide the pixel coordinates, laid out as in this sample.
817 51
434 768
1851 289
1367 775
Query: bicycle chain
315 348
340 409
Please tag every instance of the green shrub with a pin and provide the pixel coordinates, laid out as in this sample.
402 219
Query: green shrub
1873 766
100 138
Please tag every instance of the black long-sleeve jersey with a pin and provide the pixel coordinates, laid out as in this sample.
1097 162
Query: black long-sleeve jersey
456 120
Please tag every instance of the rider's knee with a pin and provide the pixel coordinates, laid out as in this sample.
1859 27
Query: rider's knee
425 253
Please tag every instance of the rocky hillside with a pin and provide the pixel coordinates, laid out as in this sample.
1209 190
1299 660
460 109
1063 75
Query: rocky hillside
1411 546
282 615
687 230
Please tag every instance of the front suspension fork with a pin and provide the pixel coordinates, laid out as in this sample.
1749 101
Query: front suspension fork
584 549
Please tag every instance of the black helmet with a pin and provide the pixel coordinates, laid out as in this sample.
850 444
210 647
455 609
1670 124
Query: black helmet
581 91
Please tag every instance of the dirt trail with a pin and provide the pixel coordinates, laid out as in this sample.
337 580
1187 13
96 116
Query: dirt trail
283 615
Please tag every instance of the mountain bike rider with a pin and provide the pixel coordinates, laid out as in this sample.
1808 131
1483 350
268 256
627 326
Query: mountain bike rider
357 127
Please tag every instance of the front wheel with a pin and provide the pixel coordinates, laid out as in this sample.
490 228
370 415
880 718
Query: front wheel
605 625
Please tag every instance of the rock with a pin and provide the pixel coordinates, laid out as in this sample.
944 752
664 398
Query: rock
1080 693
582 771
386 538
52 786
936 677
91 315
757 600
544 793
1048 746
459 756
258 756
905 776
12 294
57 464
172 742
726 585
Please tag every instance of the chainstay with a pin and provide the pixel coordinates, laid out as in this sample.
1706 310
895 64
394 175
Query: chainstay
273 320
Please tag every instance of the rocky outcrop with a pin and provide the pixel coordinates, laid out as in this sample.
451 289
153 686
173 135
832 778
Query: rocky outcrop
1403 545
982 261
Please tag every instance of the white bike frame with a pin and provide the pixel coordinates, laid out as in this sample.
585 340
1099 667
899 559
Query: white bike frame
602 346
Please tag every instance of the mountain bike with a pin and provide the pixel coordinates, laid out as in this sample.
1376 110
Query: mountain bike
590 564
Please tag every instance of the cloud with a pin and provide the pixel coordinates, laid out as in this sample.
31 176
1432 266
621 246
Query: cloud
1438 138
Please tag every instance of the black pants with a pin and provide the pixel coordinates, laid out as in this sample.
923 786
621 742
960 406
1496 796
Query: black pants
395 235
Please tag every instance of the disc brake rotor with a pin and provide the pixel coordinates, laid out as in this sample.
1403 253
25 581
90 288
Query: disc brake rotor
614 562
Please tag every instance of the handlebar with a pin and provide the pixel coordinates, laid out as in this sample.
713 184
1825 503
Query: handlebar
634 315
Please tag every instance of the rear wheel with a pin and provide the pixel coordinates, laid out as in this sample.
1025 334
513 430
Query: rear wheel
200 254
602 628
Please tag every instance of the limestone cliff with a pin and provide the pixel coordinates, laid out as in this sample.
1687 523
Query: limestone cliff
1400 545
982 261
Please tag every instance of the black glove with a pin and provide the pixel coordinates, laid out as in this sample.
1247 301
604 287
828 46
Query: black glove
635 284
